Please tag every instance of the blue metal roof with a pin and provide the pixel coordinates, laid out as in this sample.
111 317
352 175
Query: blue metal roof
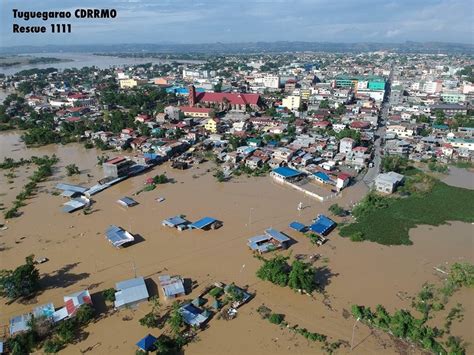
203 222
192 315
286 172
322 225
297 226
147 343
322 176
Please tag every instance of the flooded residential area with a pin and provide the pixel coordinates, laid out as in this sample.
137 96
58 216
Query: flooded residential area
80 257
235 198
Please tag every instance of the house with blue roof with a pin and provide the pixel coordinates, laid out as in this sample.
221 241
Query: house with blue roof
194 316
322 177
285 173
322 225
147 343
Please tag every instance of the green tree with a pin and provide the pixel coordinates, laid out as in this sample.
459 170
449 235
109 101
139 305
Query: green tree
324 104
275 270
301 277
394 163
276 318
21 282
176 320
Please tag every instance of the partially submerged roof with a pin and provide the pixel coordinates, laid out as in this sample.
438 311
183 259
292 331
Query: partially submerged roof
127 201
277 235
75 300
174 221
297 226
172 286
203 223
19 323
69 187
74 205
322 225
118 236
130 292
193 315
147 343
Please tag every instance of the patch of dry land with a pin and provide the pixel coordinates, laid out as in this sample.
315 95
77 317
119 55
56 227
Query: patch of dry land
80 257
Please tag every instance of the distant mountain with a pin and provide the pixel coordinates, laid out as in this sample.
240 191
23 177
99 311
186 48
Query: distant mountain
251 47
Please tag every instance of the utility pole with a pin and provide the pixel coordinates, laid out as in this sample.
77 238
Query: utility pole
353 333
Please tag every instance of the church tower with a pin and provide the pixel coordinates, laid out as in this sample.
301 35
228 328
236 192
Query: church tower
192 95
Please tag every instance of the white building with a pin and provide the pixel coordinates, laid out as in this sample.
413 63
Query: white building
292 102
346 145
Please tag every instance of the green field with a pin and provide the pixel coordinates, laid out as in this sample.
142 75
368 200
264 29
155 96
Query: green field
390 221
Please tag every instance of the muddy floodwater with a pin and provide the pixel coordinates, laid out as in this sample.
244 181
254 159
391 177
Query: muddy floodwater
351 273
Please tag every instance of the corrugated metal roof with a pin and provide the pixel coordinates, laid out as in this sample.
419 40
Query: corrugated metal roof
130 292
75 188
203 222
277 235
118 236
172 286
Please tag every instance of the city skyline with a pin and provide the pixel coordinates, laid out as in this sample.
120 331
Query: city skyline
210 21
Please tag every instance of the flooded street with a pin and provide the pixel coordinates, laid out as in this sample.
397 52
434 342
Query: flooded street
80 256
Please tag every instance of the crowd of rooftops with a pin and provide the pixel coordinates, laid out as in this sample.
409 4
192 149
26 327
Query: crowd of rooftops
317 112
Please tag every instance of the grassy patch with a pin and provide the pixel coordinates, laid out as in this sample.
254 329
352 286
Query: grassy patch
389 222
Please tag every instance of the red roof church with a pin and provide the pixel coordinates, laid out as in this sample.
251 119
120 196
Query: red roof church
224 100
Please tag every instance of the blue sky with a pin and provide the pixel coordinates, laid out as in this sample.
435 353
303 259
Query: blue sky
209 21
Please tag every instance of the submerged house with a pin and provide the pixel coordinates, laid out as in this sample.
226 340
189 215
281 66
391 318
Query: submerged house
322 225
271 240
172 287
206 223
118 236
194 316
177 222
130 292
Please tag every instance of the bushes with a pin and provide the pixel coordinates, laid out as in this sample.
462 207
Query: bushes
160 179
337 210
276 318
109 295
150 320
72 169
52 346
404 325
45 169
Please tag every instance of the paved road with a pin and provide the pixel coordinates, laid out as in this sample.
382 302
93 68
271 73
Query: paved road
372 172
